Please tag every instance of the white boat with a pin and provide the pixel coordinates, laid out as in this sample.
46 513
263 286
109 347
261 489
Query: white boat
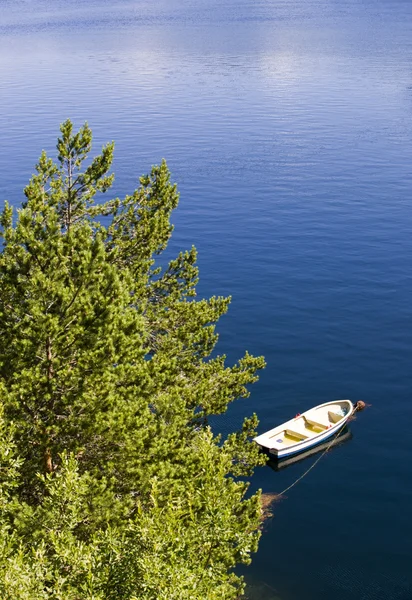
306 430
277 464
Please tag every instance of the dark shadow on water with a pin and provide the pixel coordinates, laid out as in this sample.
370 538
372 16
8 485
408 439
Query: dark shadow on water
261 591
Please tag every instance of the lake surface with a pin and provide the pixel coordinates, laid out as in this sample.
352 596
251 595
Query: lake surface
287 125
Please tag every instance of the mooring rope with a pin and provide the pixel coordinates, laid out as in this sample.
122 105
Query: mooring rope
360 405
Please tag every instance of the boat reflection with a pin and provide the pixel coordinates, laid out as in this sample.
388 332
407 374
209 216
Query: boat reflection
277 464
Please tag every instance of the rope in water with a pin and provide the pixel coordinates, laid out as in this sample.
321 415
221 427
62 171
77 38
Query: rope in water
360 405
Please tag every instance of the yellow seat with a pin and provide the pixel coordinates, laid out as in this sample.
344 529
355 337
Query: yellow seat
321 426
296 434
334 417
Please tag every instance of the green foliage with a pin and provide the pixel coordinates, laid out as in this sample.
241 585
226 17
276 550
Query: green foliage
112 484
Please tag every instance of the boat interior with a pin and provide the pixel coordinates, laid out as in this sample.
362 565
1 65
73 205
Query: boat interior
309 425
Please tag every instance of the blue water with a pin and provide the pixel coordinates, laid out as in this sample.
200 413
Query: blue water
287 125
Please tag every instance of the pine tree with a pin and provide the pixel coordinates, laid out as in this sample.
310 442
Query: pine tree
107 380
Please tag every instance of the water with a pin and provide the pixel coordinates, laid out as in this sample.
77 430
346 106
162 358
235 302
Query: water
287 125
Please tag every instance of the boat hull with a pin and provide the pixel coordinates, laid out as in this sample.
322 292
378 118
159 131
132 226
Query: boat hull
314 427
305 445
278 464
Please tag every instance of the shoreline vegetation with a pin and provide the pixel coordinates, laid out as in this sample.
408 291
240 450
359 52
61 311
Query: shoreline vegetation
112 483
268 500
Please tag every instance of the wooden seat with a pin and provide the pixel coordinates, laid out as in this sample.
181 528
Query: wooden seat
296 434
334 417
321 426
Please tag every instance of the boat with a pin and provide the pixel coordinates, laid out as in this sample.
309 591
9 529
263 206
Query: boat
306 430
277 464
